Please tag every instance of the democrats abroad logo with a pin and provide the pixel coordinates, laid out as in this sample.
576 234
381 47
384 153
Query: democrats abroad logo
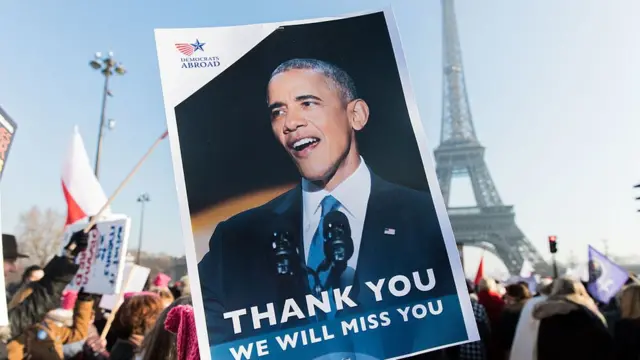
192 60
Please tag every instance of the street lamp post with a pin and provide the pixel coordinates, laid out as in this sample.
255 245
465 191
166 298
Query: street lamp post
142 199
107 66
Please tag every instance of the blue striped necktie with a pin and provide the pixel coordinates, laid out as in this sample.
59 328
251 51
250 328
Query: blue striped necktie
316 250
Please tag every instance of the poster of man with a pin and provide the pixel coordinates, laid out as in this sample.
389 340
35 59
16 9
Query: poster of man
311 210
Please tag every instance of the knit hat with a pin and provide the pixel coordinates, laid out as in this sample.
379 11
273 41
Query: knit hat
161 280
69 298
182 322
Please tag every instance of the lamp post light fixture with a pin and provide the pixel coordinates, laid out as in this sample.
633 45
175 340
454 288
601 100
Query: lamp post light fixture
637 186
108 66
142 199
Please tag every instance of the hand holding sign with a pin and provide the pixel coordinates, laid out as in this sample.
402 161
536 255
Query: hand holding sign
78 243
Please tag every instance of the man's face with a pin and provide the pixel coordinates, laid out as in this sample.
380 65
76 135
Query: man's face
311 122
10 266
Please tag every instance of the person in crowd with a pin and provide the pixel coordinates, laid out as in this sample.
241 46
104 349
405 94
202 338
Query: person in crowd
94 348
516 297
161 287
44 340
626 333
10 254
471 287
72 350
135 317
181 322
161 281
164 293
544 287
571 326
160 344
46 293
477 350
526 333
611 311
175 289
491 300
30 274
185 288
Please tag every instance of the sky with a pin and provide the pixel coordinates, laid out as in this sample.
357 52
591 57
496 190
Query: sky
554 89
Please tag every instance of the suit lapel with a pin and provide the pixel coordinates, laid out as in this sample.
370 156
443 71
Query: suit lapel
372 248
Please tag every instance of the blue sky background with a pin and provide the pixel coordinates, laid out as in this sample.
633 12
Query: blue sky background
553 87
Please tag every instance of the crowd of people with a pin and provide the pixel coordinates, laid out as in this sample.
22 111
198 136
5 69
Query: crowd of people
47 322
556 320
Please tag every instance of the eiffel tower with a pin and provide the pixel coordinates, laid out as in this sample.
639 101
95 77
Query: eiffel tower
490 224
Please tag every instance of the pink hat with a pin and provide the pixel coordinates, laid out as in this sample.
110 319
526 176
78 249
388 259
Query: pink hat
69 298
181 321
161 280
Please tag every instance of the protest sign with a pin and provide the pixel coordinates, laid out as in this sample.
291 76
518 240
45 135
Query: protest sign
7 132
102 264
306 182
134 278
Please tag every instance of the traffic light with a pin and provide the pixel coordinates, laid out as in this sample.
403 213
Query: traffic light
553 245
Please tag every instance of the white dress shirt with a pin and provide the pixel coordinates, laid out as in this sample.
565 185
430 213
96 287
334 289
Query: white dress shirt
353 195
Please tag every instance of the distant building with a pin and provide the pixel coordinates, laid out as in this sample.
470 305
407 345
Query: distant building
178 268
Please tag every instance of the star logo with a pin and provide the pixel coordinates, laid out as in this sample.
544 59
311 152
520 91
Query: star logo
198 46
188 49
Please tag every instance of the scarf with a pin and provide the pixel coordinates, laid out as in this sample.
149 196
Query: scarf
526 336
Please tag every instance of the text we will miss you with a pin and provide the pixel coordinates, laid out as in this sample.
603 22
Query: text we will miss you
398 286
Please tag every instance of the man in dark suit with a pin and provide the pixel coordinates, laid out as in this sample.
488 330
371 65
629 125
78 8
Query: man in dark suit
315 114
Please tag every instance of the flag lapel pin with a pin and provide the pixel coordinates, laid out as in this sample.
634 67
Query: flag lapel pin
389 231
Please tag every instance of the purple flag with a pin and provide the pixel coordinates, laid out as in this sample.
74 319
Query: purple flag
606 278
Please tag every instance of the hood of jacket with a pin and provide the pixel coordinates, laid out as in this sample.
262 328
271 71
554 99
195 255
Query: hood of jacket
61 317
562 305
552 307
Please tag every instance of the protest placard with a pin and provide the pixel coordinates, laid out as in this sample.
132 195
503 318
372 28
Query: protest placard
7 132
306 183
102 264
135 277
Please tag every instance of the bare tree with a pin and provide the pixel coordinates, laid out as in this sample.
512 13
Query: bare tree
40 234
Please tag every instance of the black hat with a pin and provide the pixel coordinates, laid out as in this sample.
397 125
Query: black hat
10 248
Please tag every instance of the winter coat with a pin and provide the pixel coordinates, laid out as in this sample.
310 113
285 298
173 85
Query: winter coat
44 340
509 319
626 338
493 305
122 350
45 297
571 328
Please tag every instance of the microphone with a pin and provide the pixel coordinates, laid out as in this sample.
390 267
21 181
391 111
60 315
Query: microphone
338 245
285 251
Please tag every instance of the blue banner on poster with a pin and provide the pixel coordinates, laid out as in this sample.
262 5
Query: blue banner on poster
374 335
